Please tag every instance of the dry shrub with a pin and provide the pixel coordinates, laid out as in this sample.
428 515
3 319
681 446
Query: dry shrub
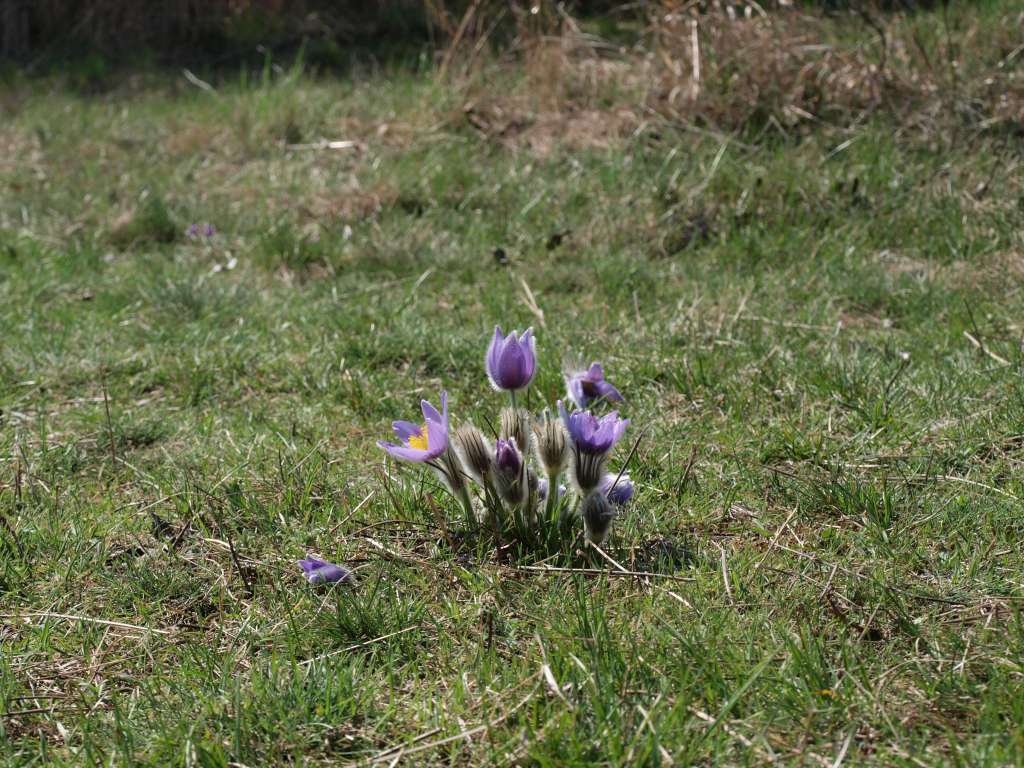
569 88
734 66
740 66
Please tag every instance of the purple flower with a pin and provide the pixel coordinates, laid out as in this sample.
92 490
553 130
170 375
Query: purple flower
618 493
591 435
200 230
507 457
542 489
511 360
584 387
322 572
421 443
510 476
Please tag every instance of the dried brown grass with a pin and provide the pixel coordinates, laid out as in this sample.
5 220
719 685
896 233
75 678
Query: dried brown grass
790 66
738 68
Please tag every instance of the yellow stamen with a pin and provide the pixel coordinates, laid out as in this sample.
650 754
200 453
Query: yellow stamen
419 441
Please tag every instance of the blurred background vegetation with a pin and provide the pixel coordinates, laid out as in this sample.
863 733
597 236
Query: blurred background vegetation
727 65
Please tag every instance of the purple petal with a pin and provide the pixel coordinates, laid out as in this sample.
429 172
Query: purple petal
511 372
406 429
542 489
405 453
565 416
596 372
529 346
311 564
617 492
437 434
507 456
494 353
430 413
607 391
575 390
322 572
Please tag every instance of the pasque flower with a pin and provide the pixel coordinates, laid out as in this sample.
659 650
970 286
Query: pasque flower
322 572
200 230
592 440
474 450
590 434
619 490
515 424
584 387
511 360
424 443
542 489
552 447
509 474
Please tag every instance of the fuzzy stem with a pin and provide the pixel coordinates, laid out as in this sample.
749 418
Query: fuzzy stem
496 511
552 502
512 396
467 504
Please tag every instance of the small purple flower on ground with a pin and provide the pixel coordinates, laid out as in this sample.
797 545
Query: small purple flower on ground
322 572
200 230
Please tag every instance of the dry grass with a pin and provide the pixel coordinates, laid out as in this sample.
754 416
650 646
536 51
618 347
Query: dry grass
741 68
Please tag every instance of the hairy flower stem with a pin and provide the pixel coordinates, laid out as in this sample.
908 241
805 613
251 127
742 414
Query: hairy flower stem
495 512
552 501
467 504
512 397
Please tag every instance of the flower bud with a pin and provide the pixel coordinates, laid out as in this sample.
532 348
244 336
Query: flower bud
451 472
542 489
510 472
475 451
515 425
597 516
552 446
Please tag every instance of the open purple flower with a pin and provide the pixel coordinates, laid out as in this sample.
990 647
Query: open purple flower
618 493
590 434
584 387
511 360
592 439
421 443
322 572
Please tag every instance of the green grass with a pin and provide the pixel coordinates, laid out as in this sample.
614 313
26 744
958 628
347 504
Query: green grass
829 476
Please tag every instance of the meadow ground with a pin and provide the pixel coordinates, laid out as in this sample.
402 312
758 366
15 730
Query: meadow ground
819 324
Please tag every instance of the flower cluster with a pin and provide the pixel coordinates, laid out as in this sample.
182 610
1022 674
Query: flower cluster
510 485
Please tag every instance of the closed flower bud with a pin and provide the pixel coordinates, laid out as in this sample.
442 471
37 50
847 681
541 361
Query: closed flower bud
515 425
510 472
597 516
449 468
552 446
542 489
475 451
